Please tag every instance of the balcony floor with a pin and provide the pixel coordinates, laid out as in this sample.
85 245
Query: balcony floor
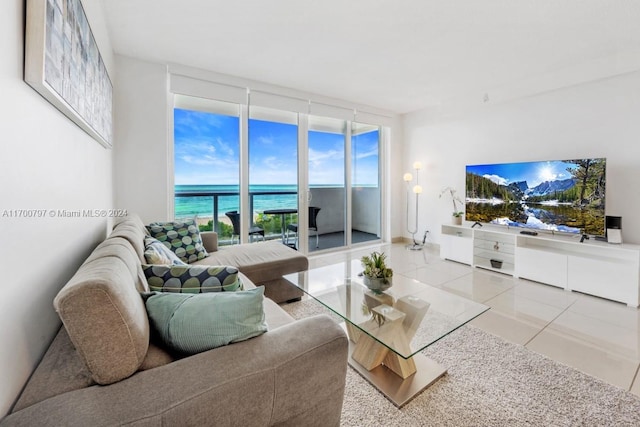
336 240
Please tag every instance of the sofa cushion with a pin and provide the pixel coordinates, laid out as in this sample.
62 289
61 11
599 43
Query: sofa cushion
157 355
105 318
261 262
192 323
264 263
61 370
121 248
155 252
132 229
132 220
192 278
182 237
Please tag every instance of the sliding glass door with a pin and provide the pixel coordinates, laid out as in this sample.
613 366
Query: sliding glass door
206 163
327 196
344 183
255 173
366 191
273 172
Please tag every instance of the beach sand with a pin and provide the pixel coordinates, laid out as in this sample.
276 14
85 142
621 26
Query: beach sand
204 220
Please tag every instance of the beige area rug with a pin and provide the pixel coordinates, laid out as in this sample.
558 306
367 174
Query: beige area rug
490 382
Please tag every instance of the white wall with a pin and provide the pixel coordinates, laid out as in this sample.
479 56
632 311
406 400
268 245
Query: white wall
47 162
332 204
365 203
597 119
141 150
393 204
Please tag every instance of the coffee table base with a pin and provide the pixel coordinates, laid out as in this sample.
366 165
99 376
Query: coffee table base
400 391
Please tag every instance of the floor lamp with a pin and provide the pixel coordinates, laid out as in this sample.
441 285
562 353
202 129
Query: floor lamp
417 189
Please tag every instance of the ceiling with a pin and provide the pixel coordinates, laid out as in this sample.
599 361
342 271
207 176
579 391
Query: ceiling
396 55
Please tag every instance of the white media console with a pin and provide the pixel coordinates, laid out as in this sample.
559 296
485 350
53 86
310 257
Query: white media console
592 267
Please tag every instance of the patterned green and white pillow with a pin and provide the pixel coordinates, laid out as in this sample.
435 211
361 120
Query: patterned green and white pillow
192 279
155 252
189 324
182 237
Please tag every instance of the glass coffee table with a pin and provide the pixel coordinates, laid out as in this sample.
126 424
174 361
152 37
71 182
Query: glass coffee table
387 331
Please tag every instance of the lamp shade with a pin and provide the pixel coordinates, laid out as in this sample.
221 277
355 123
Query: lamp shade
417 189
407 177
417 165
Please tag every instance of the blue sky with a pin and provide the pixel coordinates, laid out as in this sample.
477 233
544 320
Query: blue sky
205 148
206 151
532 172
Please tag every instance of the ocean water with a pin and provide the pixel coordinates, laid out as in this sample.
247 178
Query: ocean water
202 206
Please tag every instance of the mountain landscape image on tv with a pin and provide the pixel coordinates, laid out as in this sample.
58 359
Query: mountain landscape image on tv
560 195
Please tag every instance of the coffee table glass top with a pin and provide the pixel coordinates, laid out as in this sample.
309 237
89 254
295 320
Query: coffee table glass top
406 318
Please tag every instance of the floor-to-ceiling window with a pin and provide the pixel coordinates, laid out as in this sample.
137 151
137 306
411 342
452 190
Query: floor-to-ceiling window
327 182
365 183
273 170
252 155
206 163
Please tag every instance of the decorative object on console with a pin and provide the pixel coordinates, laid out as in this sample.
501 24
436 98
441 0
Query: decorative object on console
496 263
377 276
63 63
456 218
417 189
614 229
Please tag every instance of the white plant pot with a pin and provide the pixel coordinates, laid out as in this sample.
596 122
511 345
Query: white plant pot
377 284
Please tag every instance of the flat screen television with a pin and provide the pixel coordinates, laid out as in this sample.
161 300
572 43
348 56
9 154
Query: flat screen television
557 195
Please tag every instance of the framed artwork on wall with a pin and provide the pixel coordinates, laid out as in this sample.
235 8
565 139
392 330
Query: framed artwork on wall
63 63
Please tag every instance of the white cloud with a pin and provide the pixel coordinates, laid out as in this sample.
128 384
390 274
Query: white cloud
201 178
206 152
195 146
372 152
497 179
203 160
319 158
265 140
197 122
225 147
273 162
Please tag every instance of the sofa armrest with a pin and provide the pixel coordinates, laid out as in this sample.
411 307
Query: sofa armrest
209 240
291 375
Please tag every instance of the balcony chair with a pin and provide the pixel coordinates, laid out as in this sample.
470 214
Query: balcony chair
313 214
234 216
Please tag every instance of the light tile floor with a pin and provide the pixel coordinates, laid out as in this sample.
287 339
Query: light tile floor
594 335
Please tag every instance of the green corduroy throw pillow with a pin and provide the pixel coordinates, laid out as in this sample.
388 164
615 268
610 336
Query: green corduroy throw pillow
192 323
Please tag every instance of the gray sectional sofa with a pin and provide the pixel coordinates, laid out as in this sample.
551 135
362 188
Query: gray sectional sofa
103 368
264 263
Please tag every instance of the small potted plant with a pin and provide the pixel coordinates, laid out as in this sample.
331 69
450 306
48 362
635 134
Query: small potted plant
377 276
456 214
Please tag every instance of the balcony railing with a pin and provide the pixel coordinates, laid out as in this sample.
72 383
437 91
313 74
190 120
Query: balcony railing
216 205
213 205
